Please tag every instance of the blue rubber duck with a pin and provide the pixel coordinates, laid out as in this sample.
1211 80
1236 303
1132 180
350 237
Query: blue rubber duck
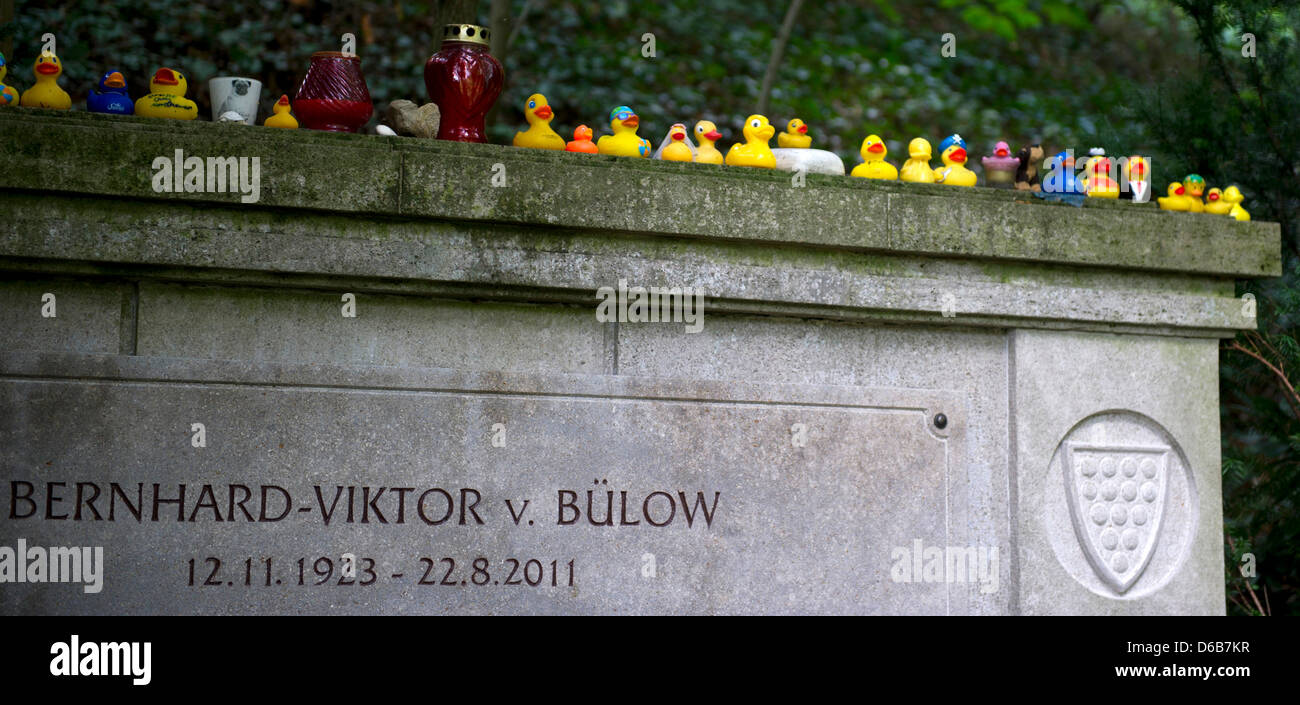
1060 182
111 96
1060 177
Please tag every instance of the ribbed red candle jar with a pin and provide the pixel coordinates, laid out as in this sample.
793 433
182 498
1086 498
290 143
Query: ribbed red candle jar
333 95
464 79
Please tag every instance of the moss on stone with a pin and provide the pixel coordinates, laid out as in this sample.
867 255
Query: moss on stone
79 152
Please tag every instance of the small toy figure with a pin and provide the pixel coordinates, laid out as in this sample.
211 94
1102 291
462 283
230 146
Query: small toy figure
624 142
47 93
1100 185
581 141
954 172
1195 185
1029 156
110 96
280 116
1138 172
539 134
1232 195
676 146
1086 177
917 167
1177 199
1060 177
755 151
166 97
707 134
8 95
1215 203
1000 167
795 136
873 164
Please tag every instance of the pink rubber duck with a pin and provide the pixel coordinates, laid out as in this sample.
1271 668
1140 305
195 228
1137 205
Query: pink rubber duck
1000 167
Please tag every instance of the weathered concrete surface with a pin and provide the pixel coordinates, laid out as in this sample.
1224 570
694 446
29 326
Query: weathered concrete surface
1117 392
364 174
65 314
764 527
262 246
971 362
842 317
285 326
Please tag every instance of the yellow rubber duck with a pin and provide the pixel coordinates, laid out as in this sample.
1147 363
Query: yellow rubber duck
1100 185
1215 203
706 135
1232 195
47 93
755 151
539 134
795 136
954 172
1195 185
624 142
917 167
281 117
873 164
1177 199
8 94
1138 172
166 97
676 150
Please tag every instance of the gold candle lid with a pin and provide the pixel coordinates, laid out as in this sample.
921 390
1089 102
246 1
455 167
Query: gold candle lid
466 33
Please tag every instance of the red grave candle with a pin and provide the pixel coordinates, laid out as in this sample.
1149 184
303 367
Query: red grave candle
464 80
333 95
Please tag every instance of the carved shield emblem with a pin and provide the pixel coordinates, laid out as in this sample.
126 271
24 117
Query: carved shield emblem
1117 502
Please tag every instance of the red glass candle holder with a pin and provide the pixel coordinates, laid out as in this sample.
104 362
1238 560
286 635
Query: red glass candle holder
333 95
464 79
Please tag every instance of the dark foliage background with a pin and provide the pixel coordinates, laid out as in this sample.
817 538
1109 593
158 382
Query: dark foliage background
1160 77
1233 119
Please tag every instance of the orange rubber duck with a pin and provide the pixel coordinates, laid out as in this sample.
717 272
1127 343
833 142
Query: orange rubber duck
581 141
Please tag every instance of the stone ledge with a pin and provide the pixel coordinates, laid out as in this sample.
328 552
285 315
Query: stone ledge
74 367
83 153
105 239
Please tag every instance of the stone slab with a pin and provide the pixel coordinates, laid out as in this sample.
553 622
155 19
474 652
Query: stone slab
793 529
970 362
278 325
1092 409
1071 349
944 225
87 317
352 174
56 151
480 261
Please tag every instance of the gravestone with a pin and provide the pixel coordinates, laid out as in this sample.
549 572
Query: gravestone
386 386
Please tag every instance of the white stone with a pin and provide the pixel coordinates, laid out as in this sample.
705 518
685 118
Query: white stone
815 161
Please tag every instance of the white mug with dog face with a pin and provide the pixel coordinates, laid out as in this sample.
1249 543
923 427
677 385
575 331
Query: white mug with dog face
234 94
